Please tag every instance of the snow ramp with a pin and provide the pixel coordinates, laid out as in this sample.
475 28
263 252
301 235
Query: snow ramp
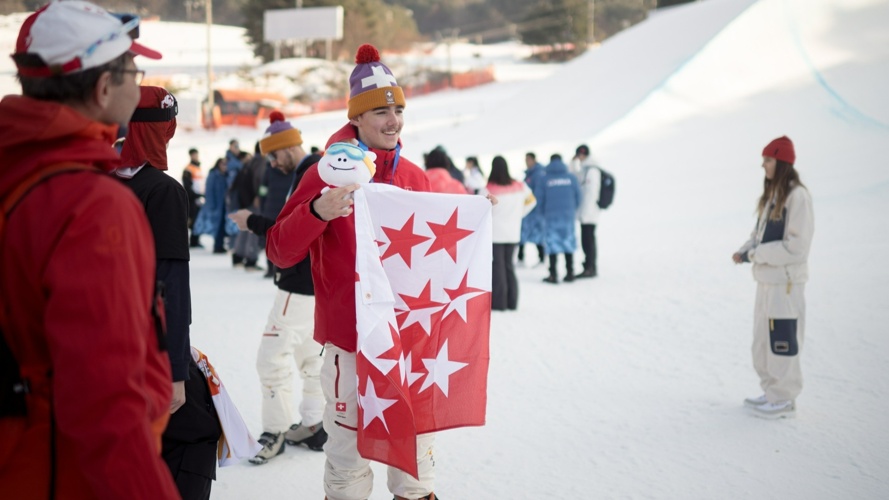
603 84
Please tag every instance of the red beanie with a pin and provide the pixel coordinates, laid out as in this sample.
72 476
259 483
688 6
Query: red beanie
781 149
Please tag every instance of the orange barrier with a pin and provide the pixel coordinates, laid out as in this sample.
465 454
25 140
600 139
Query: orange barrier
250 107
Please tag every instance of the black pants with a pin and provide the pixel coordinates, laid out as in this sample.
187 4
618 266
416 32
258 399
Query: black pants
569 264
504 286
219 237
588 243
190 439
540 252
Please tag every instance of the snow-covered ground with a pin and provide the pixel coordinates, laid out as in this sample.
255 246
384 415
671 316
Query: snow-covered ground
630 385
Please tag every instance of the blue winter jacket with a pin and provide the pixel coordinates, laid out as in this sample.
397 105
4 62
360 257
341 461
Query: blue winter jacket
233 165
533 225
213 211
558 197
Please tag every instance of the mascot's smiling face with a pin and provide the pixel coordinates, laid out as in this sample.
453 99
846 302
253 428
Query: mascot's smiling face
344 164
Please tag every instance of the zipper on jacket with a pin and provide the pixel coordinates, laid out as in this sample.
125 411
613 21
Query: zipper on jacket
336 382
344 426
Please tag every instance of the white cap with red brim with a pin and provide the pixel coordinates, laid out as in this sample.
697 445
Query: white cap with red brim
73 35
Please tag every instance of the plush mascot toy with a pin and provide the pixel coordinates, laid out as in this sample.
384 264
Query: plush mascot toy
344 164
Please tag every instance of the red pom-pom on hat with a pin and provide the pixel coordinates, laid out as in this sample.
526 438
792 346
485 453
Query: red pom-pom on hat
276 116
367 53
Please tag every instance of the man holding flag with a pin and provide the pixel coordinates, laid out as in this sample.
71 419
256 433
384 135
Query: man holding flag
369 412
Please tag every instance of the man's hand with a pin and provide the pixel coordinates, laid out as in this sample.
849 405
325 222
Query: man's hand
493 199
336 202
178 396
736 258
240 218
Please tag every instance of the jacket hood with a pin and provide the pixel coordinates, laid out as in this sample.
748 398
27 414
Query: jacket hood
147 140
556 167
35 133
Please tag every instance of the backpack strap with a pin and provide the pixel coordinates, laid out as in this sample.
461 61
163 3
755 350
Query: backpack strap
13 387
11 199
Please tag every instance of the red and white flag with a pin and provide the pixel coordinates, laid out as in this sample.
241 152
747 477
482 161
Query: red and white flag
423 304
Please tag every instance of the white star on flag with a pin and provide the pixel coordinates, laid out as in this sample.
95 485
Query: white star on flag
440 369
421 316
412 376
374 406
379 79
458 304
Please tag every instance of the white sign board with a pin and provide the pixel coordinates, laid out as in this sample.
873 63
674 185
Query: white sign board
309 23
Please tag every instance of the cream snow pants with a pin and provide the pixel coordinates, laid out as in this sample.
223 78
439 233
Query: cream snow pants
288 337
347 475
780 376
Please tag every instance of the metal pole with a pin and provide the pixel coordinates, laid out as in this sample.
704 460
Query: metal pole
592 22
300 44
210 103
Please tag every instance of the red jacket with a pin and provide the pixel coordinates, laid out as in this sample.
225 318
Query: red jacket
440 181
78 284
332 244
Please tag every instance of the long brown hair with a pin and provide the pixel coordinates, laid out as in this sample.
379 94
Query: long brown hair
786 178
499 172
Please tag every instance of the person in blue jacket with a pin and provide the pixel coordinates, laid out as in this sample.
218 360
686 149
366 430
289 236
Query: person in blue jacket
558 198
533 225
211 219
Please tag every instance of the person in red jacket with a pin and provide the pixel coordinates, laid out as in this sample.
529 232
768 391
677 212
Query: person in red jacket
440 180
78 271
322 225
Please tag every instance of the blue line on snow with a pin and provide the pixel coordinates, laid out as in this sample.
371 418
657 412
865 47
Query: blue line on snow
819 77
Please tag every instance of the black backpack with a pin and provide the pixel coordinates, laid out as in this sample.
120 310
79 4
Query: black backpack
606 189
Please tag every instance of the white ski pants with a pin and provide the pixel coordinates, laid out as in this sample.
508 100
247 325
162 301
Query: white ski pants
347 475
288 337
780 376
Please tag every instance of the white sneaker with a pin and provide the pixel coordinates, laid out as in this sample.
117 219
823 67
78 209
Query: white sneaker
757 401
781 409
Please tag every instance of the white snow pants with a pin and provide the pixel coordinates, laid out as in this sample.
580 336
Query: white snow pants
347 475
288 336
780 376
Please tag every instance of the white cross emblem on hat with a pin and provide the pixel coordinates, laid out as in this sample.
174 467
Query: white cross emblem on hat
379 79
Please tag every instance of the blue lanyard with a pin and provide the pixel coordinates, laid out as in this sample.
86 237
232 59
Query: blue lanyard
363 146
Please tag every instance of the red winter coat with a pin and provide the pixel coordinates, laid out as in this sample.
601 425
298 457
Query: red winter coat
440 181
78 284
332 244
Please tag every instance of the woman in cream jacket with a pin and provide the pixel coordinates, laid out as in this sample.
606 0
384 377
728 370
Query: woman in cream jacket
515 200
779 250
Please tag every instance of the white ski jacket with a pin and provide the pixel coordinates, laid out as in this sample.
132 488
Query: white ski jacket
513 203
590 181
779 250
